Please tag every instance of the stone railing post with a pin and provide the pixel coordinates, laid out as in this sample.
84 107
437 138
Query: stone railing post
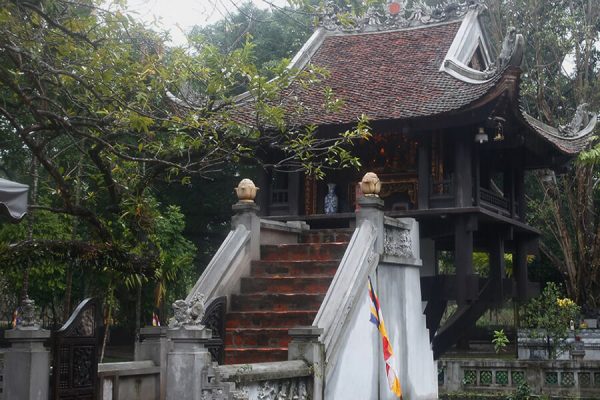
246 214
371 207
153 345
27 362
188 356
305 345
186 360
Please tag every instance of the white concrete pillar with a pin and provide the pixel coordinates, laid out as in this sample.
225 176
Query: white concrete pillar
305 345
399 290
153 345
186 359
27 364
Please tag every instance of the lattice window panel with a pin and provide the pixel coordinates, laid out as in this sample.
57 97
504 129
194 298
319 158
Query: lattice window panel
441 376
597 379
502 377
470 377
567 378
551 378
517 377
585 379
485 377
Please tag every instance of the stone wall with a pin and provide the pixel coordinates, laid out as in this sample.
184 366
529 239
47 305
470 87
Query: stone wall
1 375
273 380
535 348
137 380
553 378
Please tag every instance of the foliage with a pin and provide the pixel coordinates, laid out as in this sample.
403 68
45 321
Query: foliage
500 341
561 71
523 392
276 34
96 113
549 316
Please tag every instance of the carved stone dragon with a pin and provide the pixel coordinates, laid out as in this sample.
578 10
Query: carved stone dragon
188 313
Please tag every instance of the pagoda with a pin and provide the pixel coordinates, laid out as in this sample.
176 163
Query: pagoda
451 145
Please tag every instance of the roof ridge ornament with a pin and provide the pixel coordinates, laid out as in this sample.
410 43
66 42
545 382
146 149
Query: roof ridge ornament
580 121
394 15
511 52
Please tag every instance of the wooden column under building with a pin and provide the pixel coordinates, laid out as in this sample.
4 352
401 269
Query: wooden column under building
509 188
477 176
462 170
424 171
520 267
497 263
521 205
463 257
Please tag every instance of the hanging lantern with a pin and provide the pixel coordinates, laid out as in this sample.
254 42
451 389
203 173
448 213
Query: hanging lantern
481 136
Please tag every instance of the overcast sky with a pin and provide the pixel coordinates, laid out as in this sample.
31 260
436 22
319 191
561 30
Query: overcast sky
178 16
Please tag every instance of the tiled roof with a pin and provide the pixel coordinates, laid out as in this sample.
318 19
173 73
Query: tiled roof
386 75
566 145
395 75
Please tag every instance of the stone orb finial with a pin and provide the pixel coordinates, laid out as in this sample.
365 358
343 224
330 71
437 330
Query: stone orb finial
246 191
370 185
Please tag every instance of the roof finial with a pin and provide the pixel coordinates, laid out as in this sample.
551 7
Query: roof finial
395 15
580 120
512 49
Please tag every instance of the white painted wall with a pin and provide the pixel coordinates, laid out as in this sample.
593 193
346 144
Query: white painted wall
359 370
355 375
400 298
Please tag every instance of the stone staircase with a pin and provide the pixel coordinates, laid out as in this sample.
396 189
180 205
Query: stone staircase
285 289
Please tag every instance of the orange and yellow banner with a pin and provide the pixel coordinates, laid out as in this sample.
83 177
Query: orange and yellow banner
377 319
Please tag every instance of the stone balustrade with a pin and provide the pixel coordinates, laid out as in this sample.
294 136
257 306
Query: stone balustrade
1 374
555 378
136 380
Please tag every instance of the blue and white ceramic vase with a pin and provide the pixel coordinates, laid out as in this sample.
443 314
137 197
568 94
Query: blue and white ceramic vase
331 200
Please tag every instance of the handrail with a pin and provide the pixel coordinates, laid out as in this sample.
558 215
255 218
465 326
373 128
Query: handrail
223 271
265 371
490 197
347 288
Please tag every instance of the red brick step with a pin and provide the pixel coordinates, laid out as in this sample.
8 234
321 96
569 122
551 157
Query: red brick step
284 284
285 289
294 268
242 355
303 251
257 337
326 235
276 302
269 319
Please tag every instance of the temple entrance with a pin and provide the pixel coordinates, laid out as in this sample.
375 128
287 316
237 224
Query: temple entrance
392 155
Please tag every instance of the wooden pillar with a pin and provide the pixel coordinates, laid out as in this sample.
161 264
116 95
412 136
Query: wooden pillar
424 171
463 257
476 175
497 264
294 183
462 170
521 204
520 268
509 189
263 181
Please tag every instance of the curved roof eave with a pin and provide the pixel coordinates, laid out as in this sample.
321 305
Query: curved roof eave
569 145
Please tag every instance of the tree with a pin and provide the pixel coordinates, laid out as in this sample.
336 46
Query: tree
276 34
561 71
550 316
95 107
